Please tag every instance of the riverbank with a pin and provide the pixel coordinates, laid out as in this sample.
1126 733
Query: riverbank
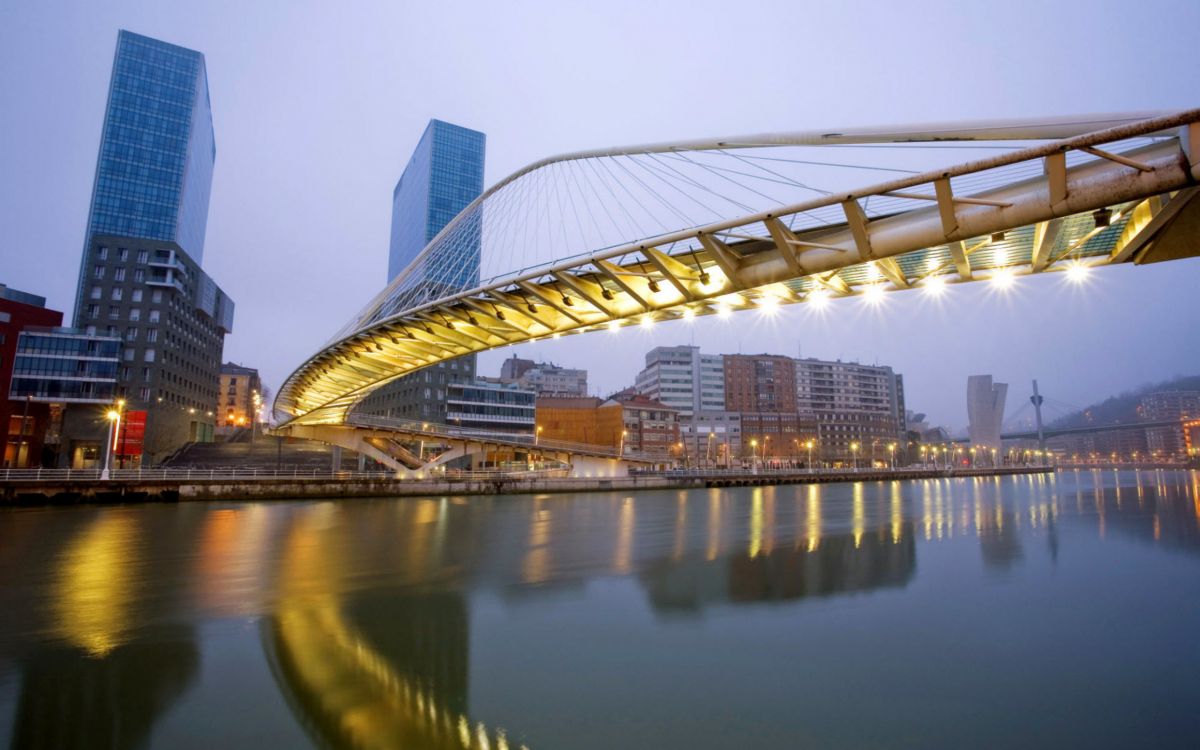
34 491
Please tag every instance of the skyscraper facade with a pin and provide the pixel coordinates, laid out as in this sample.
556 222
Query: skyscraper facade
985 411
140 276
443 176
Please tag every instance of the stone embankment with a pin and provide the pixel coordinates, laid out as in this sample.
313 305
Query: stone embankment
66 491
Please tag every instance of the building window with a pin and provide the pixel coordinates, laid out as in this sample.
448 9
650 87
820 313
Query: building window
154 316
151 335
97 292
102 253
123 254
98 272
156 296
144 393
111 332
129 352
142 256
135 314
90 330
131 333
93 311
139 275
114 312
146 374
119 274
149 355
117 293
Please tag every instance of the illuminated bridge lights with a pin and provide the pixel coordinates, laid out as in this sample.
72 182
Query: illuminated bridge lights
722 267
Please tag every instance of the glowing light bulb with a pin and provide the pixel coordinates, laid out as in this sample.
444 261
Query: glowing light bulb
818 298
768 303
873 294
614 326
935 285
688 313
1003 279
872 272
1077 273
723 310
1000 256
647 322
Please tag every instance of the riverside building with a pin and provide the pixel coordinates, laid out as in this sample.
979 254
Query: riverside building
140 278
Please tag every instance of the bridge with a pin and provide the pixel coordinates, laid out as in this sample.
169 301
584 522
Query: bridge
594 241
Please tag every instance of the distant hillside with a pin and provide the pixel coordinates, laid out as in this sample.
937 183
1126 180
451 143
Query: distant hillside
1123 408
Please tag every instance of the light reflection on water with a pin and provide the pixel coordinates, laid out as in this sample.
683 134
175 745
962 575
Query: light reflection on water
504 622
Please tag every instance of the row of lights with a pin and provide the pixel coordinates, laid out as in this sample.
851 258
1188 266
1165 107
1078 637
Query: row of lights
1002 279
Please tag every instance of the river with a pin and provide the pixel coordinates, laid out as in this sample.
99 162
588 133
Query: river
1055 611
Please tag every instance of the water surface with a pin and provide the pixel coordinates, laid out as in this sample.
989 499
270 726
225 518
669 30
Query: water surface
1019 611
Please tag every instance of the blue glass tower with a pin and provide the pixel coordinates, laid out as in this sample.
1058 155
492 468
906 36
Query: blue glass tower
140 277
443 176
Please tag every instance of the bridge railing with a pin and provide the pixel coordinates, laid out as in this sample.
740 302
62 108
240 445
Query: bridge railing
242 474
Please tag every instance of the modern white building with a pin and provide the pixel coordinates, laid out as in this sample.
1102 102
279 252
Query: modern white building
684 379
985 411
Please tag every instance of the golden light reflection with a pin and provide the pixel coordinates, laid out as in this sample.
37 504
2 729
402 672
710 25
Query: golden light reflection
897 513
812 531
623 561
756 521
95 584
680 527
714 525
859 515
359 691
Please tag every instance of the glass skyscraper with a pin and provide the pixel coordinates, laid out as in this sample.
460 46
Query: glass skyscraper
443 176
140 277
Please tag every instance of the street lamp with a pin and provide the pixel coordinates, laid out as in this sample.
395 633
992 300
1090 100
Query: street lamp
892 455
624 433
809 444
113 416
537 436
854 453
753 450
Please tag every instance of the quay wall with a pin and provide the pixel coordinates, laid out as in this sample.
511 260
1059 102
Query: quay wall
33 492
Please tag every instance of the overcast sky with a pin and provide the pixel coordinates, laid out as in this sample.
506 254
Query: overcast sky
317 106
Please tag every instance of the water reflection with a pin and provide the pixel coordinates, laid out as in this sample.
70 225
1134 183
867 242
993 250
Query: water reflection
366 607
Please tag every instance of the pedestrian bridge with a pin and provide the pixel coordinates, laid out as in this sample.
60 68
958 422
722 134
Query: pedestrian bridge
391 441
598 240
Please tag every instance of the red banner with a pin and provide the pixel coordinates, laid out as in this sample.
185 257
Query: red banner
132 434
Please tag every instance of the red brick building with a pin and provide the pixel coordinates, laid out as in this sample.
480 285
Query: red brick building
23 423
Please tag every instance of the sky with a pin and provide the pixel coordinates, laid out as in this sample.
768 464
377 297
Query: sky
317 107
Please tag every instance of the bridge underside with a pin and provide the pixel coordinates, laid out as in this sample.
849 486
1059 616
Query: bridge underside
1121 195
437 449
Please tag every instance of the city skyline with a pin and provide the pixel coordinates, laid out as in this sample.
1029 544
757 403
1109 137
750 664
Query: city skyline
1118 332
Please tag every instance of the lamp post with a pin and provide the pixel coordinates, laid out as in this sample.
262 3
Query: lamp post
810 447
122 431
622 450
766 438
537 435
708 450
113 416
892 455
854 454
753 452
